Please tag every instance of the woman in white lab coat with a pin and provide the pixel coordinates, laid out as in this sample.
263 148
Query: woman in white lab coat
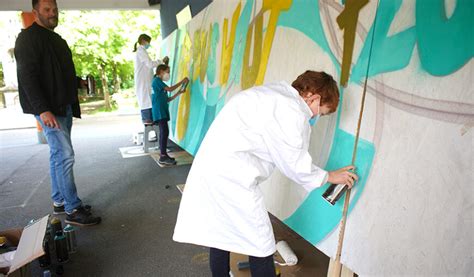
222 205
143 74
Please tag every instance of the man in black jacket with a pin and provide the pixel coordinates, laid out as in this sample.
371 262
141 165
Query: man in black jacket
47 85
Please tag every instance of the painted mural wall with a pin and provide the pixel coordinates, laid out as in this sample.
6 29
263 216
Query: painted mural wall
412 211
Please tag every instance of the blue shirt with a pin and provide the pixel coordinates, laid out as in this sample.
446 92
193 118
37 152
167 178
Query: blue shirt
159 100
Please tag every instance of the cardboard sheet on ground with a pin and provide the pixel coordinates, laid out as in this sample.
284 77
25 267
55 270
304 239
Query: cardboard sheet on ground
182 158
137 151
133 151
31 244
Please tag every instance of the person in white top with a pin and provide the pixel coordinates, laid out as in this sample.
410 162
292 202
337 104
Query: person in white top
143 74
257 130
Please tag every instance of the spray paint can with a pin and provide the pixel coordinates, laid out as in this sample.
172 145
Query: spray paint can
45 260
334 192
55 226
62 254
70 238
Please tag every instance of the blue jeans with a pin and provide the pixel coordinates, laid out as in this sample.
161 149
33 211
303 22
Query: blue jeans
146 116
61 162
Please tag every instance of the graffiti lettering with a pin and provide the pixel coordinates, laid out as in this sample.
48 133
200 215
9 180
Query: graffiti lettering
228 45
255 73
182 115
444 45
249 72
347 21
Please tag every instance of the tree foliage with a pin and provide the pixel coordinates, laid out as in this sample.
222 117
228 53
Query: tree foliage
102 43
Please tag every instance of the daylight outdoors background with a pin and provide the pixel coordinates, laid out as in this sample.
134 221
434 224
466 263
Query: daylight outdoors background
102 46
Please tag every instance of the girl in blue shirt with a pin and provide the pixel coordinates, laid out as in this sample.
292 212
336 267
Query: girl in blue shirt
160 110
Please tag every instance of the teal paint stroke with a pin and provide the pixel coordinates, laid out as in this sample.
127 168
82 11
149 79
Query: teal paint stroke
209 116
304 16
212 95
315 218
196 119
202 113
212 60
388 53
444 45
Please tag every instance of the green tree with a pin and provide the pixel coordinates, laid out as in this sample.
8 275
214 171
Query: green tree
102 44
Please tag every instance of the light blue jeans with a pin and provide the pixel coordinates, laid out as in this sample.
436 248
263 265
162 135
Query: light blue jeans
61 162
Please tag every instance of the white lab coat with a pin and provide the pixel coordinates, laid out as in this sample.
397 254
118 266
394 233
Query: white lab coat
222 205
143 74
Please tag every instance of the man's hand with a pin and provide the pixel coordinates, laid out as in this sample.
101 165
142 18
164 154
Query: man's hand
185 80
49 119
343 176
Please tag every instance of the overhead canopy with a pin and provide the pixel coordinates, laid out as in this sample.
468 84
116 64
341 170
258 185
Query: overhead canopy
168 8
25 5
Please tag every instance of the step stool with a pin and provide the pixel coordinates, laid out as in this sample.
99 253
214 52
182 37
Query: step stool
146 142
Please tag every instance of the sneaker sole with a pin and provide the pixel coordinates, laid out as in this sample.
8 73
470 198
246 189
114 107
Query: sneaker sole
164 164
81 224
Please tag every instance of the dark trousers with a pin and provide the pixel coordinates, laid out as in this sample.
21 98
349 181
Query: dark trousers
259 267
164 134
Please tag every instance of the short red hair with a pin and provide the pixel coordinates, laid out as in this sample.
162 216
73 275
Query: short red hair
318 82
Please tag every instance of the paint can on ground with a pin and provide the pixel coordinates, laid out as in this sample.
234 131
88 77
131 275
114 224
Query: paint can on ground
55 226
45 260
70 233
62 254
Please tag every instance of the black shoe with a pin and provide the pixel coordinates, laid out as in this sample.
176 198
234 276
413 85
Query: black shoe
165 160
171 158
82 217
60 209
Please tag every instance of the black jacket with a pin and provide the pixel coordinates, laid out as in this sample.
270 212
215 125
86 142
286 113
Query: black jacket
46 75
